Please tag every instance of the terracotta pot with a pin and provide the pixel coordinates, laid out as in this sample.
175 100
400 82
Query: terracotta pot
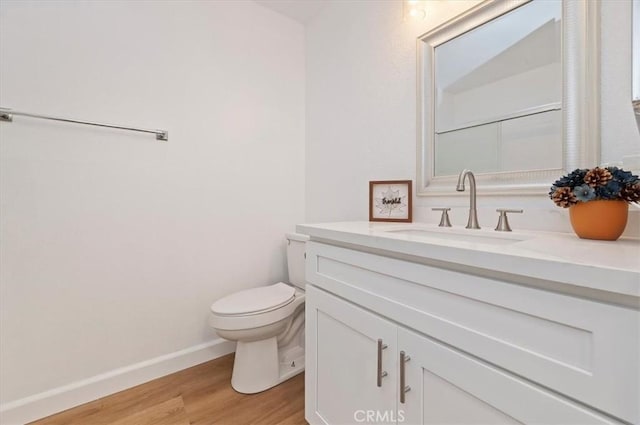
601 219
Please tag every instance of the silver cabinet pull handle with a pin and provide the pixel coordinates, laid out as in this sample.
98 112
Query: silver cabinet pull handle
403 387
380 373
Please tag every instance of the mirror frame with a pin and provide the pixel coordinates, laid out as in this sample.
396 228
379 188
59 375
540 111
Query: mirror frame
580 100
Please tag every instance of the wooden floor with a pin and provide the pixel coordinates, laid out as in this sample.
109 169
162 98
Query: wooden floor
199 395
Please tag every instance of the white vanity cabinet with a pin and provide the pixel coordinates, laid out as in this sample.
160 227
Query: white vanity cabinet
451 387
481 349
353 348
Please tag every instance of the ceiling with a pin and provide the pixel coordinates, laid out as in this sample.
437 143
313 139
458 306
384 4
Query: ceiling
299 10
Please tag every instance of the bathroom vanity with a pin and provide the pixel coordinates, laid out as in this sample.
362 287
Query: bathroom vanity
409 323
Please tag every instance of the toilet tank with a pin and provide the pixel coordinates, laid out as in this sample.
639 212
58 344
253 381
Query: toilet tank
295 258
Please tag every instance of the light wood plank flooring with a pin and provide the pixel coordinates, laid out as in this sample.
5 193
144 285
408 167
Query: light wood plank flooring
200 395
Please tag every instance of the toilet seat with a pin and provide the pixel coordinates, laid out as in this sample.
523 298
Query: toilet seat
257 319
254 301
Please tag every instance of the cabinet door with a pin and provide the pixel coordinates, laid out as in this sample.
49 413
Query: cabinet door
449 387
342 353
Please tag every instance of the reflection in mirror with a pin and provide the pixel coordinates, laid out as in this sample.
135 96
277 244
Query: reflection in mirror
509 89
515 62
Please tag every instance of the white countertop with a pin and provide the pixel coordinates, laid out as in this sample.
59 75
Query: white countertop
558 257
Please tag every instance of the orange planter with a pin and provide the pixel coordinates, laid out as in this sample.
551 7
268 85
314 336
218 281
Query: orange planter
602 220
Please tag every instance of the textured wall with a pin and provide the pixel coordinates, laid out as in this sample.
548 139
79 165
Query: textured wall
620 137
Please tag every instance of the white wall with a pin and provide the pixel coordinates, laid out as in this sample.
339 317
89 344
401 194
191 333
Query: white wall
619 131
114 245
361 113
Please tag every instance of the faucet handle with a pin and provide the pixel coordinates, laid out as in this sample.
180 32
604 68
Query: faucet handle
503 222
444 220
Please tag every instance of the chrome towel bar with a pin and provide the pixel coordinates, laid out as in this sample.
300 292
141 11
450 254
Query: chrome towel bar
7 115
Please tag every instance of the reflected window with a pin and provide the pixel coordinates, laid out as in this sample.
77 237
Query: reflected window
498 94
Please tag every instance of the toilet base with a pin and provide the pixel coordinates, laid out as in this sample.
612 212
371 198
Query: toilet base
259 366
291 362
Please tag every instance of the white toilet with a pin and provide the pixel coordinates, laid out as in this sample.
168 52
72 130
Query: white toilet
268 323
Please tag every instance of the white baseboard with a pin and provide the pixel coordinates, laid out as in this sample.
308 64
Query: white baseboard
65 397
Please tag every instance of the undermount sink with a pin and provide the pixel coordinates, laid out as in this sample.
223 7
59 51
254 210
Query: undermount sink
461 235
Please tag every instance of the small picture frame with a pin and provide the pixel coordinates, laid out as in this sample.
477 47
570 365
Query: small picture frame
390 200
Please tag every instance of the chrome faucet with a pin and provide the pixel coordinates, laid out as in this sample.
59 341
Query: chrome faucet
473 212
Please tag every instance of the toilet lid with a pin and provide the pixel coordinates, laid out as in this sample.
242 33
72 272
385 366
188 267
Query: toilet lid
254 300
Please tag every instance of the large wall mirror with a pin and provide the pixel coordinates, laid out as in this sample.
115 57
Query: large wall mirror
509 90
